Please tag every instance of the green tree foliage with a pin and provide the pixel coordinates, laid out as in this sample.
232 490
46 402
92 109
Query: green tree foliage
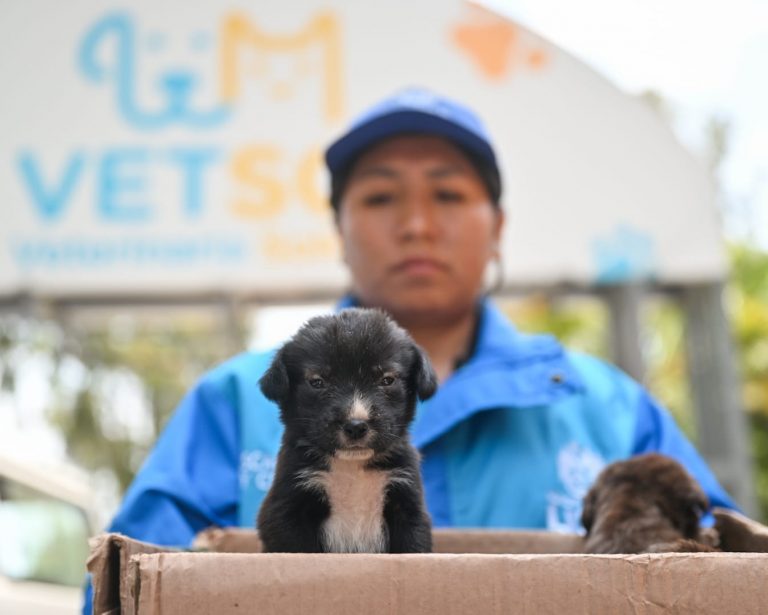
113 382
748 301
162 359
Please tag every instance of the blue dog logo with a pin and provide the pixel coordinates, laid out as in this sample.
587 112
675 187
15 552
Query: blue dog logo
175 88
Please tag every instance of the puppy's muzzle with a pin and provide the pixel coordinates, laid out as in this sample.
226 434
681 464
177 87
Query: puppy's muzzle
355 439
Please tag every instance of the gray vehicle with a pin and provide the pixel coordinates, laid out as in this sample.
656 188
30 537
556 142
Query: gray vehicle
45 522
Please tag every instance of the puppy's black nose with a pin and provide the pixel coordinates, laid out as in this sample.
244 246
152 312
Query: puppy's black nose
355 429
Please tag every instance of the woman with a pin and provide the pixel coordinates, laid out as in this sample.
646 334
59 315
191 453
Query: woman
519 427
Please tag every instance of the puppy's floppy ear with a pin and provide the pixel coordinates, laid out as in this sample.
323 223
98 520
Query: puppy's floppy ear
588 509
696 501
423 374
274 383
695 504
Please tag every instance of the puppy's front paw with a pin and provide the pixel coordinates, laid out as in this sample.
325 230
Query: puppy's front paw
709 536
682 545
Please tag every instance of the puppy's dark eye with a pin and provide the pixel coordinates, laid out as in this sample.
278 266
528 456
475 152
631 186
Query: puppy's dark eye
316 383
387 381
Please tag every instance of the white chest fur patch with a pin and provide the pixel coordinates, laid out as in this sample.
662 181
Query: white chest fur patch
356 499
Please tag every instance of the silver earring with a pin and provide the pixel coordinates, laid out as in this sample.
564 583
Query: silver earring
496 277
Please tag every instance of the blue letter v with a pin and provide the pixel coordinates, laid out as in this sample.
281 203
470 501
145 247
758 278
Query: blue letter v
50 201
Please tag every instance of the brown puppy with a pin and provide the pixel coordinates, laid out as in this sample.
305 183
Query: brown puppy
646 504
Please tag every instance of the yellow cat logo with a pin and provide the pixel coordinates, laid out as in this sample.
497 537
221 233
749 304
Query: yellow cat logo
247 51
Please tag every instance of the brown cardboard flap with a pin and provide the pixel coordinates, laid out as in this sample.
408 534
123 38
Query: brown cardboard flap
739 533
108 563
238 540
500 541
228 540
281 584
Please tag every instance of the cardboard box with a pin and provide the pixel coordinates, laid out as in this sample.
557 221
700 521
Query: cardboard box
471 572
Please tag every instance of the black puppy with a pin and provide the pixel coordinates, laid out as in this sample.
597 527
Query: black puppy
347 477
645 504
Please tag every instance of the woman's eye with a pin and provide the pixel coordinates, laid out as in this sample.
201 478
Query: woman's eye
387 381
449 196
316 383
379 198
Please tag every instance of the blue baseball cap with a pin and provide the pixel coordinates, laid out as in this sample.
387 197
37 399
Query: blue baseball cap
416 111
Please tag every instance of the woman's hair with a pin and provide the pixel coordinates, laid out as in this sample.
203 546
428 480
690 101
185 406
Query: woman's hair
488 173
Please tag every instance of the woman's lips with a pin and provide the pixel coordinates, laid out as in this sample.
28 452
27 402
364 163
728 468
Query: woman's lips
419 266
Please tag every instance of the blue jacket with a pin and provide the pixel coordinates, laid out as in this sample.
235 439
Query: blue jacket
514 438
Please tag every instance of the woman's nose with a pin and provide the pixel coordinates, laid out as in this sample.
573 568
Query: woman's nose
418 218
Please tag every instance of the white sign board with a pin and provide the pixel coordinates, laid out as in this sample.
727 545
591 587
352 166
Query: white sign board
173 148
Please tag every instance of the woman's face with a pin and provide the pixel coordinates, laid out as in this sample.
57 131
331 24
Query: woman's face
417 229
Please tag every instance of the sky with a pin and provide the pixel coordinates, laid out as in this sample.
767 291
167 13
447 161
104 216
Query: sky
708 59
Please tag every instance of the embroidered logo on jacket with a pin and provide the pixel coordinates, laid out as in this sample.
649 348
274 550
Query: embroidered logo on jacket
257 469
577 469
